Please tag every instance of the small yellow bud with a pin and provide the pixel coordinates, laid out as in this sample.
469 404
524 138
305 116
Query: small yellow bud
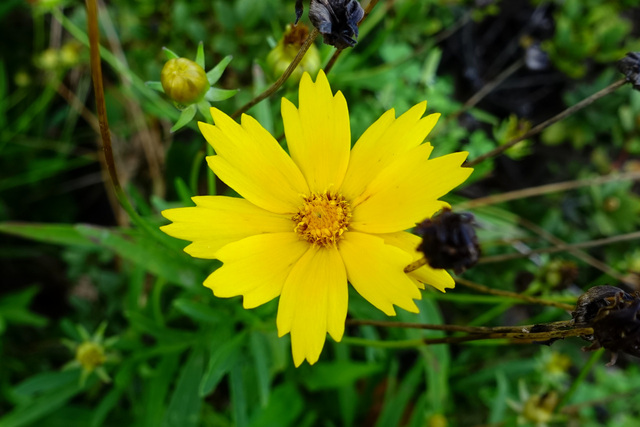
286 50
48 60
22 79
68 54
90 355
184 81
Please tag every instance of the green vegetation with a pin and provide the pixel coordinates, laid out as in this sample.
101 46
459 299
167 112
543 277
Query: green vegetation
76 268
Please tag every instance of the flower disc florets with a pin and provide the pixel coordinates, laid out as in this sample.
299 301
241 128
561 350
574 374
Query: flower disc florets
322 219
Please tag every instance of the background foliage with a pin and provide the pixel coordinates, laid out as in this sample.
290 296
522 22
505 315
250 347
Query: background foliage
175 355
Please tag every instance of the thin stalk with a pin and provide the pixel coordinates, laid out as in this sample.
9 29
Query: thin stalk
561 248
539 128
521 338
105 135
546 189
525 298
580 379
514 338
488 88
563 324
581 255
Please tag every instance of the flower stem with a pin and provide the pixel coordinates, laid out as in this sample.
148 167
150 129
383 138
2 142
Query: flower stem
583 374
581 255
553 326
539 128
561 248
96 75
526 298
546 189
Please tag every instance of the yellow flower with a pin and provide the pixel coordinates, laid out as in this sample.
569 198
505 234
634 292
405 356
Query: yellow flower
321 216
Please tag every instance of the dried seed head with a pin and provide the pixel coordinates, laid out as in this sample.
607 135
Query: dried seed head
630 67
337 20
614 316
449 241
590 303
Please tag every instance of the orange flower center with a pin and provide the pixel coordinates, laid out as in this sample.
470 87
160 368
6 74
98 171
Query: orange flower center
322 219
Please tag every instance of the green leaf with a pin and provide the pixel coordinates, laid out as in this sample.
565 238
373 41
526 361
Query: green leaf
169 53
260 355
45 382
499 402
175 267
197 311
156 391
144 324
338 374
105 406
223 357
155 86
42 406
184 407
238 395
200 55
396 404
215 94
185 117
14 308
216 72
61 234
284 408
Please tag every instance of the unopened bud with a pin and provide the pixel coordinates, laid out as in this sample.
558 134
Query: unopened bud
90 355
286 50
184 81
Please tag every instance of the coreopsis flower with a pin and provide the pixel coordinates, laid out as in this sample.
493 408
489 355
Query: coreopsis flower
325 215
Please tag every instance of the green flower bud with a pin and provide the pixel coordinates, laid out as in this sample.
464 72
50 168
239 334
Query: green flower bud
90 355
184 81
286 50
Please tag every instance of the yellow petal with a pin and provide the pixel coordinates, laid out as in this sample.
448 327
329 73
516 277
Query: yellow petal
407 191
256 267
382 143
313 302
375 270
318 133
219 220
438 278
252 162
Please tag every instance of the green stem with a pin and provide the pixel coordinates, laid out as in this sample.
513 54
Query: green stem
363 342
96 74
583 374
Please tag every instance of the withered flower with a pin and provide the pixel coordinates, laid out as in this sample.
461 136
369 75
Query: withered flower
337 20
449 241
614 316
630 67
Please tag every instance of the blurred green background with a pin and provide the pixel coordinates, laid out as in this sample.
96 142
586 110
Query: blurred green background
74 270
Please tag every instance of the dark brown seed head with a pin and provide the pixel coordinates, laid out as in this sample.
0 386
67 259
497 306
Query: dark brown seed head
449 241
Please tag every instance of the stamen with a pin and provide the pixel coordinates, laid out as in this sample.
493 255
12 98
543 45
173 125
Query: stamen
322 219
